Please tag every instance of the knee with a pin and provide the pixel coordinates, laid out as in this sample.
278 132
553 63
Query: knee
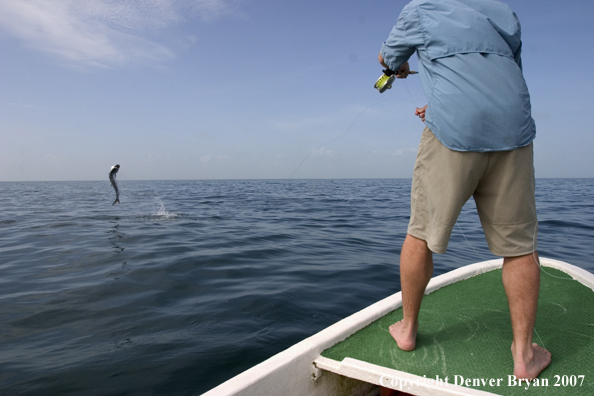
416 245
526 258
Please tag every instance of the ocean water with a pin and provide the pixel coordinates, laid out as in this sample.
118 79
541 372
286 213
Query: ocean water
188 283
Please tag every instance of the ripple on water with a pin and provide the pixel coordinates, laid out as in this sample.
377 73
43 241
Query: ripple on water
186 283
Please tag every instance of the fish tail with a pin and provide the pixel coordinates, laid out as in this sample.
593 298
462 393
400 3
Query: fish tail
116 201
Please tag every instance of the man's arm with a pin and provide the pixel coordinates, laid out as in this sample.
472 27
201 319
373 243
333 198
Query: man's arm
404 39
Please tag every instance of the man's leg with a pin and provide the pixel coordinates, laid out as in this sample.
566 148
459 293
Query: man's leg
521 280
416 267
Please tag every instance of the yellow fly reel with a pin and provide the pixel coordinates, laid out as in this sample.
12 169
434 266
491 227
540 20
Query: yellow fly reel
385 81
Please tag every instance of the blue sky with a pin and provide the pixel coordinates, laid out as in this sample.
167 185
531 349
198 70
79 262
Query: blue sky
234 89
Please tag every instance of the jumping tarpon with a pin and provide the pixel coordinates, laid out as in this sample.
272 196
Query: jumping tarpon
112 179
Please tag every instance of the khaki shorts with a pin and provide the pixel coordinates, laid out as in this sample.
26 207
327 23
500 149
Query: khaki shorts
501 182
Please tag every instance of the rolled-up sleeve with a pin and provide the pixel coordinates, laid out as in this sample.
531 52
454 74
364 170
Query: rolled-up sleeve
404 39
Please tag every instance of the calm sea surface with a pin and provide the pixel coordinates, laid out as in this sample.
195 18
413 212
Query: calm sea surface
188 283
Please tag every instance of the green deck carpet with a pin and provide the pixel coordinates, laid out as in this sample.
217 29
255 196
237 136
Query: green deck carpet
465 330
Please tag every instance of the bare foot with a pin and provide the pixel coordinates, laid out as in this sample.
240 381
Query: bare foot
528 365
405 336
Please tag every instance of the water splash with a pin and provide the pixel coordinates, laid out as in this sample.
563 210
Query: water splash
162 212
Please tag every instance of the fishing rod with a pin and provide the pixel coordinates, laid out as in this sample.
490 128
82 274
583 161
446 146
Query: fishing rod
385 81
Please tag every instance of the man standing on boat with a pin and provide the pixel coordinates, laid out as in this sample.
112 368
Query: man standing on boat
477 142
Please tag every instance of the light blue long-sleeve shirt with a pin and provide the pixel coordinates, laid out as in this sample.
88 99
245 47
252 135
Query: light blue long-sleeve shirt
470 69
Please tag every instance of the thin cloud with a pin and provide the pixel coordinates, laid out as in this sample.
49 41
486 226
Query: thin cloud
101 33
321 151
399 152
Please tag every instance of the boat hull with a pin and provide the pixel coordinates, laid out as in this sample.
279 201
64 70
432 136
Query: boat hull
301 370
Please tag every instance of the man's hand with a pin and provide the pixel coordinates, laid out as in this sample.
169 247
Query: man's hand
404 71
420 111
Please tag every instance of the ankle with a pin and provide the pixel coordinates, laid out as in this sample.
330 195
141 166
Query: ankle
523 351
410 325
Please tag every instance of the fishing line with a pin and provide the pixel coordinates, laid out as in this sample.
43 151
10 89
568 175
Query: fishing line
409 94
541 341
469 244
335 139
349 128
536 261
412 100
466 239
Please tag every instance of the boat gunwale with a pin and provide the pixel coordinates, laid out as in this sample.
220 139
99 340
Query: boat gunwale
307 353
